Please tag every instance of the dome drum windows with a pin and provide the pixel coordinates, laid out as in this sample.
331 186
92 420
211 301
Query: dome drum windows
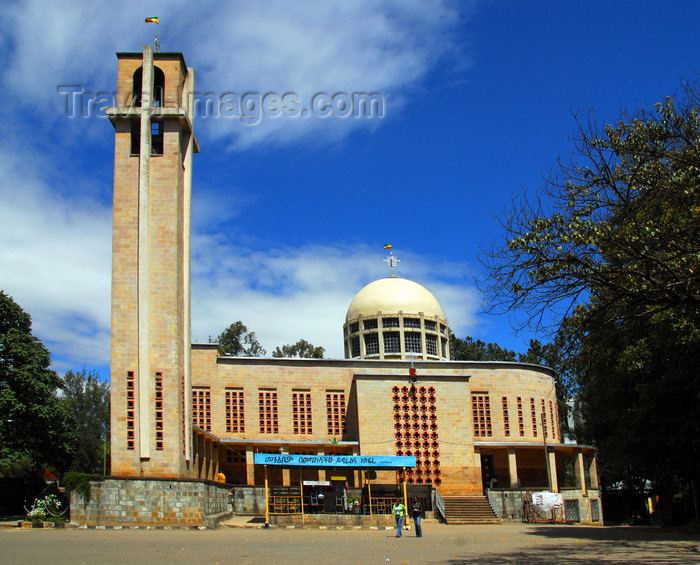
390 322
412 342
355 347
372 344
370 324
392 342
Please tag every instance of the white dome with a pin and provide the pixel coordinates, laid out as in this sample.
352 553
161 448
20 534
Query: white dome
392 295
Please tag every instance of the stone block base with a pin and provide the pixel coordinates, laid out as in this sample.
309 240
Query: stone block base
151 502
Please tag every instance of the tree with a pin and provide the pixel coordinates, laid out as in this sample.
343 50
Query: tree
87 397
618 222
301 348
35 430
608 249
468 349
237 340
639 389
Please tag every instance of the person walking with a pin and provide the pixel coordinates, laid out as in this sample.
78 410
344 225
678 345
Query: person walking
399 511
417 512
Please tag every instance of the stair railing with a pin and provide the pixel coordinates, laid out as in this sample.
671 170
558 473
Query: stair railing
440 505
494 503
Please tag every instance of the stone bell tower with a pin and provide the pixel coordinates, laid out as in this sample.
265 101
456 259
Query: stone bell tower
150 358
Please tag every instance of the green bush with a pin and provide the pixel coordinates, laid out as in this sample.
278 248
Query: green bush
80 483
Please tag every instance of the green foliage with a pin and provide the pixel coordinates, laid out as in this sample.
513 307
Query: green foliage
640 393
468 349
80 483
36 427
237 340
609 250
87 398
619 222
301 348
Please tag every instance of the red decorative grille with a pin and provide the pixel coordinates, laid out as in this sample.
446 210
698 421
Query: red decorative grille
235 411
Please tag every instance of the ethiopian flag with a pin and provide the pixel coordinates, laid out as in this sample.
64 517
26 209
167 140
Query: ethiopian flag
388 246
151 20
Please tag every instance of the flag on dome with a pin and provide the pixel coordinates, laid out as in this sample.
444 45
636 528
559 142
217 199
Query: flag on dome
152 20
388 246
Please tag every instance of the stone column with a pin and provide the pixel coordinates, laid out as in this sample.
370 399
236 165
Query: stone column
581 473
594 473
553 466
249 465
513 469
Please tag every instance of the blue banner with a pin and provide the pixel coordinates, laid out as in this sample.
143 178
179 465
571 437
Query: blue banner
356 461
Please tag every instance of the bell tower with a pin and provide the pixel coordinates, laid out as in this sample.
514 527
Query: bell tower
150 351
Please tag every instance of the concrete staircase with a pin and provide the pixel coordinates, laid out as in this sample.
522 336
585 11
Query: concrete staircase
469 510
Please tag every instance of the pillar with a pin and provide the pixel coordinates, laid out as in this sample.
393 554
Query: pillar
581 472
513 469
249 465
553 466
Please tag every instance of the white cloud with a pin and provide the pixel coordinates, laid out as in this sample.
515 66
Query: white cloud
287 294
55 230
55 259
384 46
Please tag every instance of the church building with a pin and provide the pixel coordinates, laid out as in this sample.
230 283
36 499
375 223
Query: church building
185 416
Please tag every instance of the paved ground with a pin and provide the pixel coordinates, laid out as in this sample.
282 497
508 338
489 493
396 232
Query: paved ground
514 544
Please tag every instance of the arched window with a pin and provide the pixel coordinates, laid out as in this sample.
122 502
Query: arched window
158 86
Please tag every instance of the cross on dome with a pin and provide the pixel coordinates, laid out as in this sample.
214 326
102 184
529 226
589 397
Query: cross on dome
392 262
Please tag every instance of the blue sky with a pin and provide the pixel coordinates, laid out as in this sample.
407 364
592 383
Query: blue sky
291 214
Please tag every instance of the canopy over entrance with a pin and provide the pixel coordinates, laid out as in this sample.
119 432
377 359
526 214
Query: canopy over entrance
295 504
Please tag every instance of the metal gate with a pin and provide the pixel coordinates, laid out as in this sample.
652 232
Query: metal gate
572 511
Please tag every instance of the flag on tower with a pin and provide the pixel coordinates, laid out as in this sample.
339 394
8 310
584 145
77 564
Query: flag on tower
388 246
151 20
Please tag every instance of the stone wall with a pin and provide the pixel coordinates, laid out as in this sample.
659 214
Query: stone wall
249 500
150 502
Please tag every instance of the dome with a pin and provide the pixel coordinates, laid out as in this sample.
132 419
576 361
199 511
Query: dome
393 295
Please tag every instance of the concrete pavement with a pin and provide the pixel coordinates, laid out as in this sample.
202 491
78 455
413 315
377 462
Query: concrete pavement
509 543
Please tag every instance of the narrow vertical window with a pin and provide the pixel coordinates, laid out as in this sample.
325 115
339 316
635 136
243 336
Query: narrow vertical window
268 412
335 411
533 413
183 418
201 408
481 414
130 410
521 420
235 411
301 412
506 421
135 136
159 411
551 419
544 420
156 138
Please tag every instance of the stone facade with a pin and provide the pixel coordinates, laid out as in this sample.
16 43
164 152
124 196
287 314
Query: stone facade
150 265
183 412
154 502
